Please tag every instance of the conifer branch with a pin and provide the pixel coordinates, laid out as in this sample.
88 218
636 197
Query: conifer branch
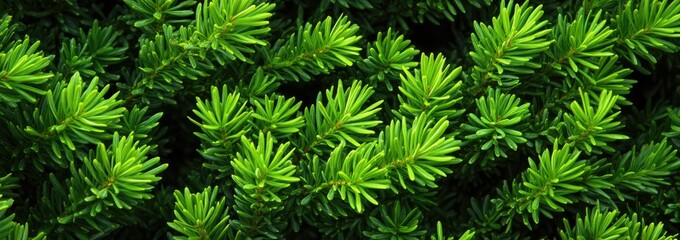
314 49
503 51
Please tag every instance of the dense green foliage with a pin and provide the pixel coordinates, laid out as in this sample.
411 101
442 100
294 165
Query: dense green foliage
339 119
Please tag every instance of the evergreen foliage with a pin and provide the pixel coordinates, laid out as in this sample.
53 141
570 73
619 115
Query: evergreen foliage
339 119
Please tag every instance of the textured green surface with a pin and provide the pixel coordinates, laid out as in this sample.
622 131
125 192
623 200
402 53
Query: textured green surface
339 119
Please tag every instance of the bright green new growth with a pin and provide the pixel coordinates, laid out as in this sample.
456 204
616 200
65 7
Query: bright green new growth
260 172
354 177
529 124
498 116
191 51
223 121
549 184
387 57
590 129
612 225
432 90
102 190
200 215
345 117
313 50
503 51
73 116
646 25
21 71
418 153
277 116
